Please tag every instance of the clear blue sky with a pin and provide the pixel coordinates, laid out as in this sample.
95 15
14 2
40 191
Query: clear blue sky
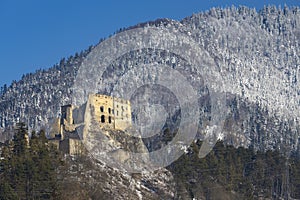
37 34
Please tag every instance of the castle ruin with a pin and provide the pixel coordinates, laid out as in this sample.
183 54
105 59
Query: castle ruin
109 112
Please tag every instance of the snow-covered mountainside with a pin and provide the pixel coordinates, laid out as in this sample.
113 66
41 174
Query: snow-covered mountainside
256 55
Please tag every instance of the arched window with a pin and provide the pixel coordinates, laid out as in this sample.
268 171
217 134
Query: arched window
102 109
109 110
109 119
102 119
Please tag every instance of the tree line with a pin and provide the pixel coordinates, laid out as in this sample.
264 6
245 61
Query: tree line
246 173
29 168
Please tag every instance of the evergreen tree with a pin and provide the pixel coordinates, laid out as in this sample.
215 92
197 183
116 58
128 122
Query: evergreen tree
28 170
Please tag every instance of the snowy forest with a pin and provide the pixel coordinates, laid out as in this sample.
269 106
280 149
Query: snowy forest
257 52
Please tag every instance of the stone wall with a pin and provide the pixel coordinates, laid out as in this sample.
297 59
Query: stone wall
103 110
111 112
122 111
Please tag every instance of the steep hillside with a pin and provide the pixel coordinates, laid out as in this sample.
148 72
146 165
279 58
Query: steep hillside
37 97
256 56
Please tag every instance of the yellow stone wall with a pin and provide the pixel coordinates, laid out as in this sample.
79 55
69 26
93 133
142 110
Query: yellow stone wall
122 111
75 147
66 121
103 110
67 113
55 128
111 112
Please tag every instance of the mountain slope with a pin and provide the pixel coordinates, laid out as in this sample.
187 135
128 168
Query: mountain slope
256 55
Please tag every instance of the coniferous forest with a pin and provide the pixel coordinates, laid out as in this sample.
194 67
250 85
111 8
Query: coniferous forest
236 173
31 168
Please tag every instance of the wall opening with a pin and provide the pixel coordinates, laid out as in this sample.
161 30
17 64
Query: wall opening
109 119
102 119
102 109
109 110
